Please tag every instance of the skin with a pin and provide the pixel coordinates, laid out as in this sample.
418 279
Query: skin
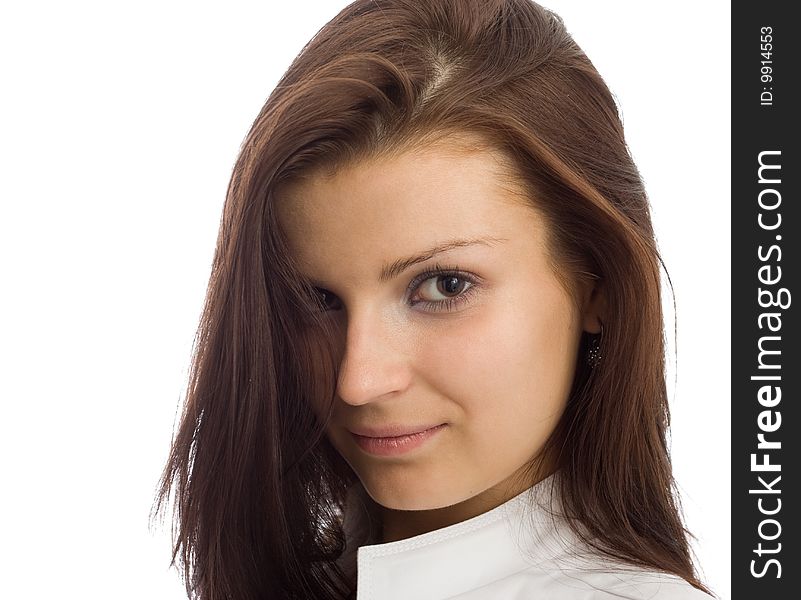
496 367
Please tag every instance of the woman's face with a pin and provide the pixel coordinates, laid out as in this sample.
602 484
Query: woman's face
478 340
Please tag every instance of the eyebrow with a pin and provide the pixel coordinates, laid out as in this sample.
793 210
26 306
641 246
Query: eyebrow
394 269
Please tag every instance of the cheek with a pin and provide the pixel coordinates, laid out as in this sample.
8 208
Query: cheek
507 367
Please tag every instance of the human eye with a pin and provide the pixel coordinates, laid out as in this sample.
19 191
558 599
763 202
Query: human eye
439 289
451 285
325 299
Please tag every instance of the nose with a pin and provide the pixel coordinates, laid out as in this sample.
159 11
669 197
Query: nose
374 364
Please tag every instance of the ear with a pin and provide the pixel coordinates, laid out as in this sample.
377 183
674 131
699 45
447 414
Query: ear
593 306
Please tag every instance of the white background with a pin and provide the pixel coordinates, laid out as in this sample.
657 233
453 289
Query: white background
119 126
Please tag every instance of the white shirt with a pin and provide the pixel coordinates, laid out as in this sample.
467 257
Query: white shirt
516 551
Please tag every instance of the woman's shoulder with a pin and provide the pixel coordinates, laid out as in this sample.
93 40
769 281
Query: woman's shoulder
554 583
564 565
625 583
571 569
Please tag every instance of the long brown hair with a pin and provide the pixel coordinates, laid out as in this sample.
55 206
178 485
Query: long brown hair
258 490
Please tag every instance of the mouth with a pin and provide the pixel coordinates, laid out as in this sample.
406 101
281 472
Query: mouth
394 441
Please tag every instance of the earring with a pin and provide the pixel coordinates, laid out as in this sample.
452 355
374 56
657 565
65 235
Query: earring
594 351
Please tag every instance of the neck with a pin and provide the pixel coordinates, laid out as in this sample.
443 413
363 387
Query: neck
402 524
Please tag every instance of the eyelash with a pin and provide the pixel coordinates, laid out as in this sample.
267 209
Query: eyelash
448 304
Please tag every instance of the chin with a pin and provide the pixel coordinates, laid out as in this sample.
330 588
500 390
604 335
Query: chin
402 496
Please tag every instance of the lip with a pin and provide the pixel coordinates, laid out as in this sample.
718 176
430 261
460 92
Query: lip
395 440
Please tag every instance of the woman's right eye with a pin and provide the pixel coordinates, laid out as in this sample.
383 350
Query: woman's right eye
325 297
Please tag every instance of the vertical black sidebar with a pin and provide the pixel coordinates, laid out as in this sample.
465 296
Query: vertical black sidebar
766 297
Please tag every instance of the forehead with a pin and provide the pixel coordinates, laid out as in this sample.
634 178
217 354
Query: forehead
394 205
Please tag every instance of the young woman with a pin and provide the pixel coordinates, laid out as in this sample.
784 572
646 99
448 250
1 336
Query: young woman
430 363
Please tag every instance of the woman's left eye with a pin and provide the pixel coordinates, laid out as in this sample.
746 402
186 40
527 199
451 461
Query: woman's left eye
443 290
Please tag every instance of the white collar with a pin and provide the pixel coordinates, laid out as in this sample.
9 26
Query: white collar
523 548
521 532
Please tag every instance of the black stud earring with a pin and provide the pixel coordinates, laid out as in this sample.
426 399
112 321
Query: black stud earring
594 351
